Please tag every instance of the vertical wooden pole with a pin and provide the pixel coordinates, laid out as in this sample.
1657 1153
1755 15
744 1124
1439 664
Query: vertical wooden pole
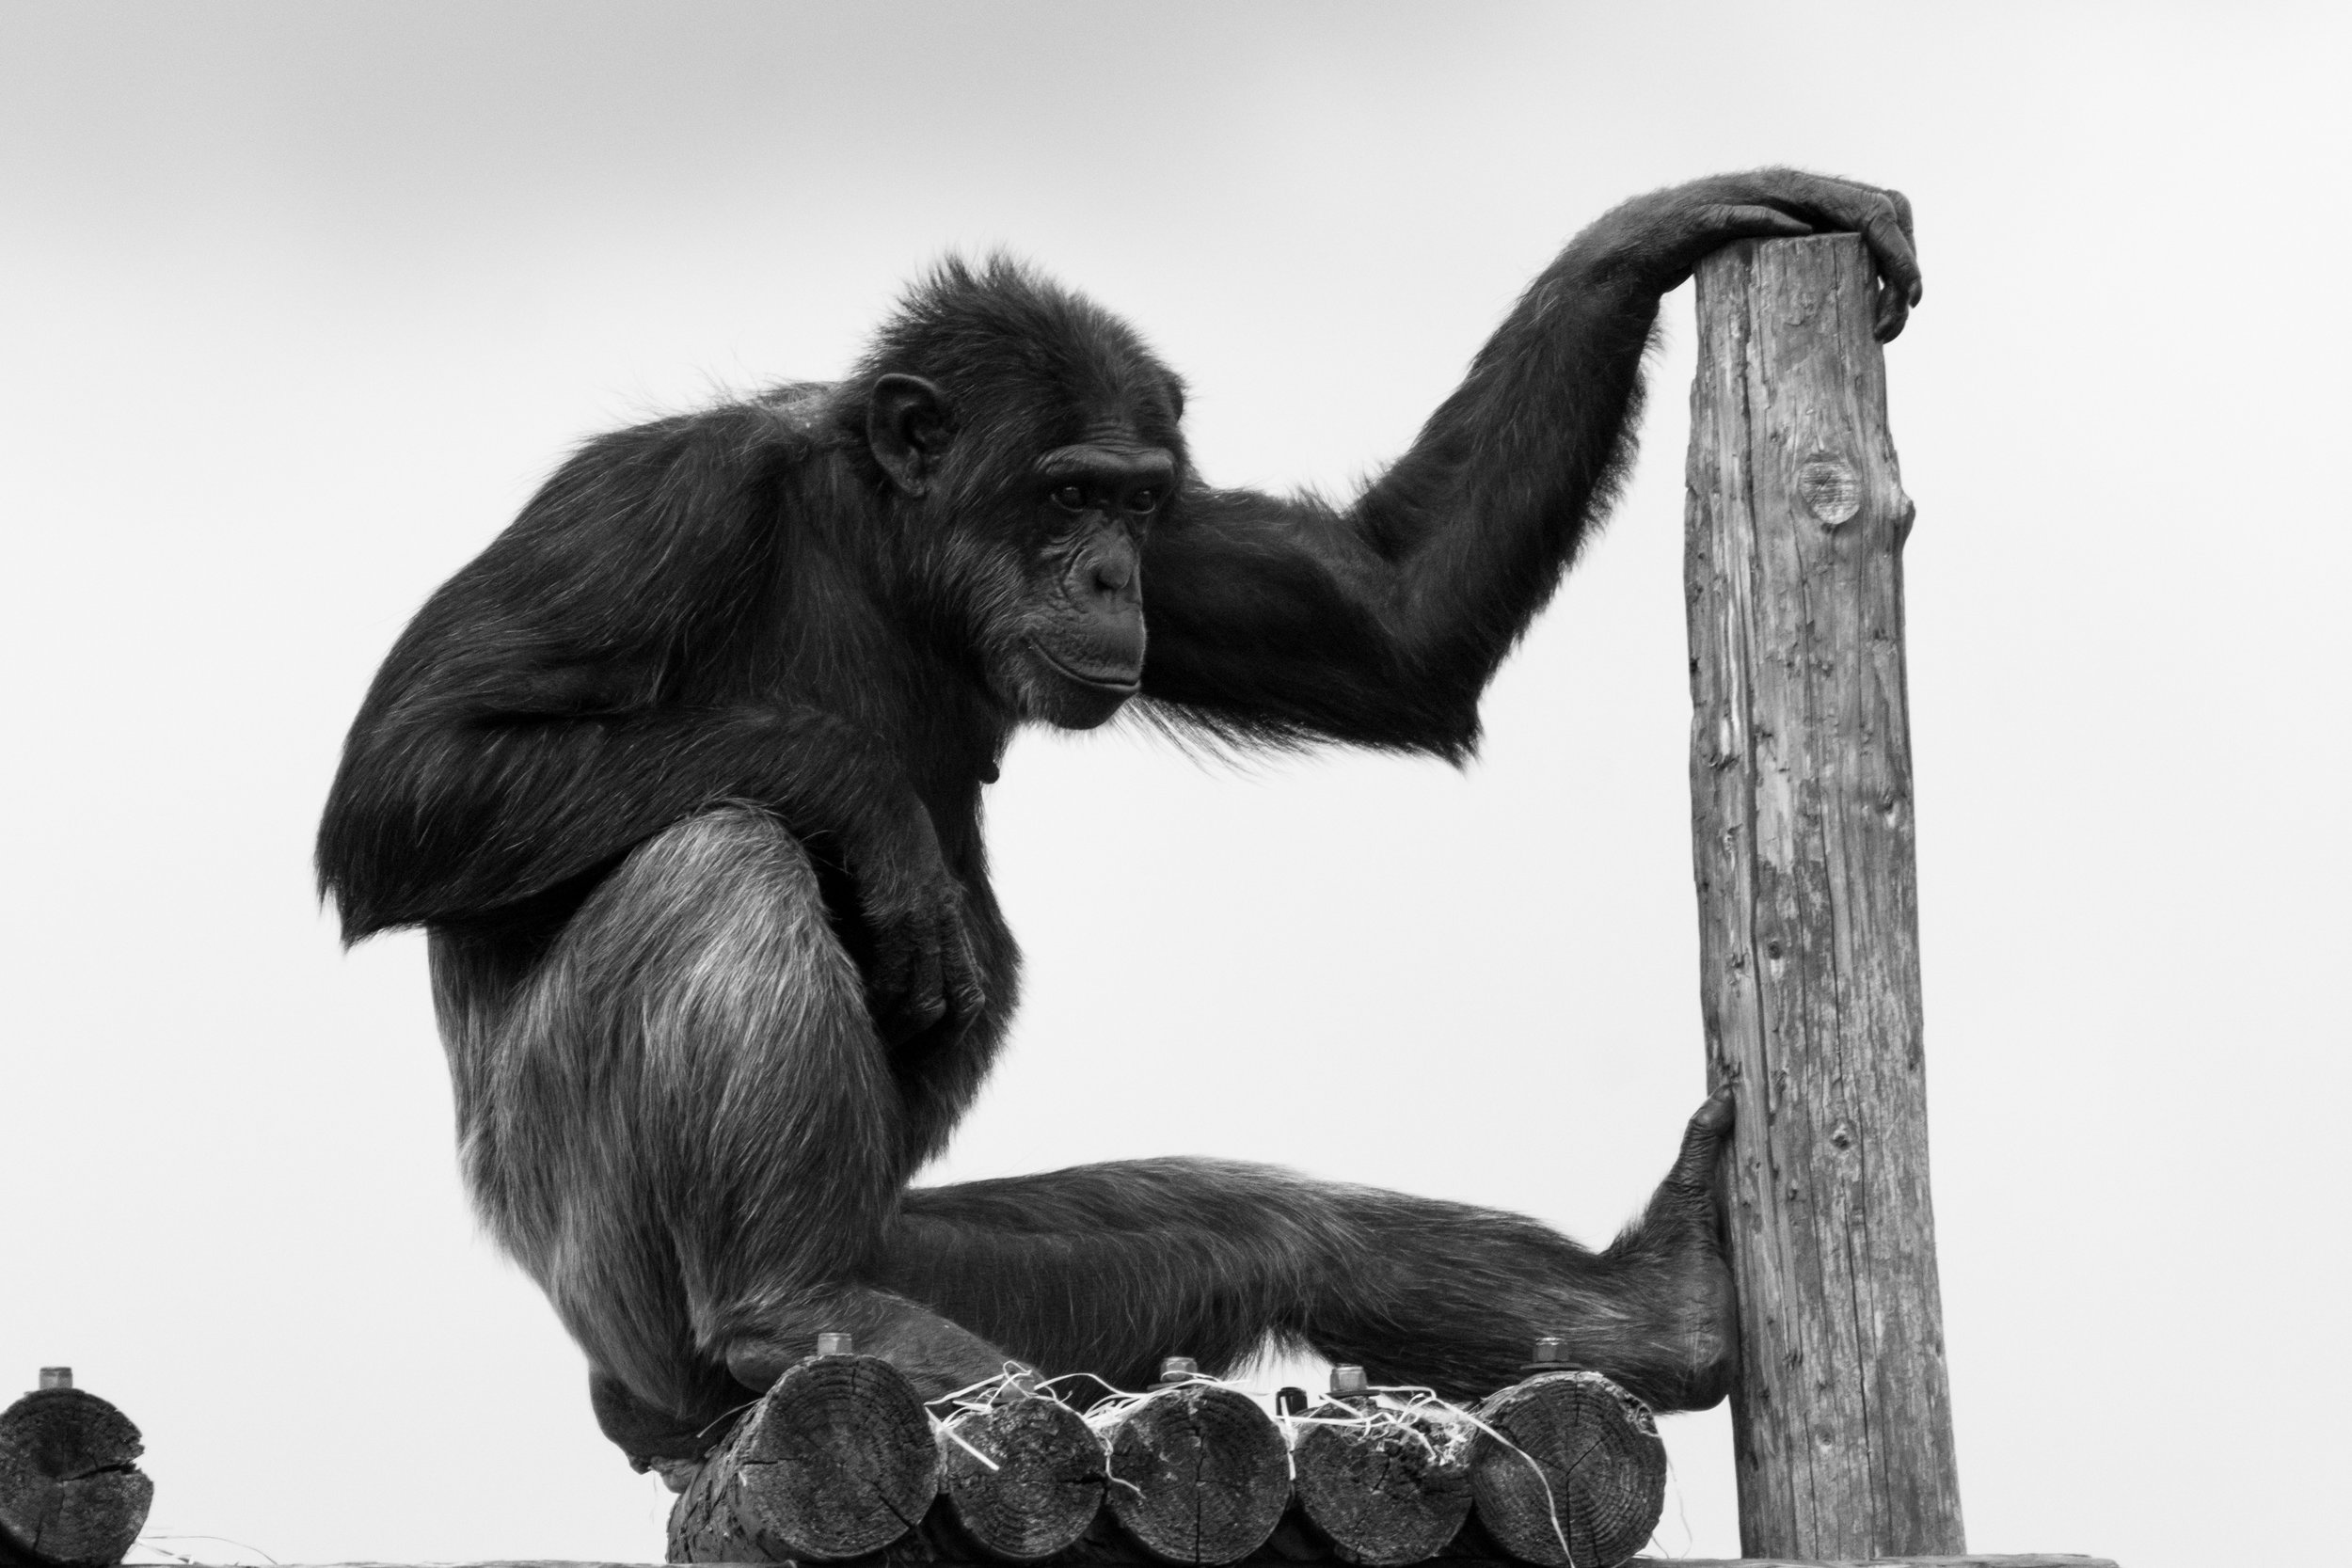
1802 835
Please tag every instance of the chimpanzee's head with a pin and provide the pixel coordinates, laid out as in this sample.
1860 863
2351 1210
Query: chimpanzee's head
1030 440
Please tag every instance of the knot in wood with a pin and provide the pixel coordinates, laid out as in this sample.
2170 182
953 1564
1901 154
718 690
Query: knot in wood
1830 488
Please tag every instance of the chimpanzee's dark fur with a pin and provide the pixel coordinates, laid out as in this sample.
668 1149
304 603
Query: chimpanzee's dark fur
683 775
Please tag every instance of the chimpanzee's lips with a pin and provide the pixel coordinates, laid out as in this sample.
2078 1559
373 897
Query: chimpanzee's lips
1123 684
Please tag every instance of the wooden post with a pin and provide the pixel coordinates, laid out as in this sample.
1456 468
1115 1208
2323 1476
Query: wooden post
1809 914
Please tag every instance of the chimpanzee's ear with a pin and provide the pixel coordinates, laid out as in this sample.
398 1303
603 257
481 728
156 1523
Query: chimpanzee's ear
906 426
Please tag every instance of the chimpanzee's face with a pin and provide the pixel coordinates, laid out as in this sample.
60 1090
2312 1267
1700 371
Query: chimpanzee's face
1078 653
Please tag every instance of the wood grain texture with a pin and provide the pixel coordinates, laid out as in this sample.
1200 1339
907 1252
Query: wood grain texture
1802 830
1024 1477
1380 1490
1199 1475
2026 1560
71 1492
833 1462
1582 1478
1965 1560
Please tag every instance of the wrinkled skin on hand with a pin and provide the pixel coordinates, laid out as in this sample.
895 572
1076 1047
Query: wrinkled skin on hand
924 978
1657 240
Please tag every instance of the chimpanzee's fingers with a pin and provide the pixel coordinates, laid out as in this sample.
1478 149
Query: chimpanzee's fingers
905 991
1883 220
1729 221
965 995
1881 217
1702 1143
1892 312
926 999
1902 216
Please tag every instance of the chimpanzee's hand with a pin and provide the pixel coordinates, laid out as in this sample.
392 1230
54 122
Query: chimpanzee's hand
923 975
1659 237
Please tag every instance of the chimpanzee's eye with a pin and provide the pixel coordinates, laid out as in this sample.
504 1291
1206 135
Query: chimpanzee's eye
1070 497
1142 501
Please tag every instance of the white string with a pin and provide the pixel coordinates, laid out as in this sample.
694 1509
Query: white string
1443 1428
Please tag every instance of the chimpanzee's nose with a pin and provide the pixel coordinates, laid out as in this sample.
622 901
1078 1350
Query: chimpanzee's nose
1115 571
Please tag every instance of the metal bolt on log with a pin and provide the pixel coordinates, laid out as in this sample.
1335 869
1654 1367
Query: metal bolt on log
1552 1356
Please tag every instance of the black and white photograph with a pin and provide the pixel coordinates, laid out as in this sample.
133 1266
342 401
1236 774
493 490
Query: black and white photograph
1162 785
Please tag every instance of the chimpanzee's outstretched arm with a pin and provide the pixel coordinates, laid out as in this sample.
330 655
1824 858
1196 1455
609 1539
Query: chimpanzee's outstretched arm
1275 618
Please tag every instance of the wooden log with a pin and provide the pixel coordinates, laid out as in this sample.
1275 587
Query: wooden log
1380 1486
1024 1477
1572 1474
1802 834
1972 1560
1198 1474
833 1462
72 1495
1967 1560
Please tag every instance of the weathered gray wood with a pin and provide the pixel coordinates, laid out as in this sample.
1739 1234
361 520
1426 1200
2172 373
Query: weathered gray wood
70 1495
833 1462
1966 1560
1383 1488
1024 1477
1802 831
1199 1475
1572 1473
2028 1559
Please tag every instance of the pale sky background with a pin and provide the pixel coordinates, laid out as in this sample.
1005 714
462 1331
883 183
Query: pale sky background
297 303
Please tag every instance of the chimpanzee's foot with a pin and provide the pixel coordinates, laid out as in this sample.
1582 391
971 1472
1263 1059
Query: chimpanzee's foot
936 1355
1676 1251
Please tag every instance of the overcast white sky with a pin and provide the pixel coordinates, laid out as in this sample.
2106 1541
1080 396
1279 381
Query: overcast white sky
299 302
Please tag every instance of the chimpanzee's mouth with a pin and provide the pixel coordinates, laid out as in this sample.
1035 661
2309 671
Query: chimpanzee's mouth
1119 683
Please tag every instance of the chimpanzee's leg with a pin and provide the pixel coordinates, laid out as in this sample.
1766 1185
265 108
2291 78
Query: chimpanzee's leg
1107 1268
677 1117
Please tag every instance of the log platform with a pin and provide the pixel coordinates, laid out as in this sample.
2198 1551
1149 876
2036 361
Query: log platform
1968 1559
840 1463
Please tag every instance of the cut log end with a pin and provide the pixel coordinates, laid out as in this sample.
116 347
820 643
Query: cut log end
1024 1477
71 1492
1198 1475
833 1462
1573 1472
1382 1488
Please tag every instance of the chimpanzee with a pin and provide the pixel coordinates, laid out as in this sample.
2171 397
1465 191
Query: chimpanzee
683 774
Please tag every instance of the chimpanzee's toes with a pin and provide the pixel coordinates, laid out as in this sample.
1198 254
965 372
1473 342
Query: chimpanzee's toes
1698 1327
1703 1144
